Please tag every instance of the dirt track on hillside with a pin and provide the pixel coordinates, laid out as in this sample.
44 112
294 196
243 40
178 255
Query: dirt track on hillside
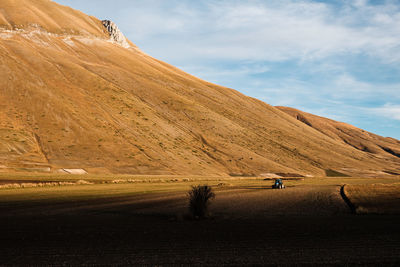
250 226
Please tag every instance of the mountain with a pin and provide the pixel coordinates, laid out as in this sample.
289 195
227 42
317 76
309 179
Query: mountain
75 93
378 146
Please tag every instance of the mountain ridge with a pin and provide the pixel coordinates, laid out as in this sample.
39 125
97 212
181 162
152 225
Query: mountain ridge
349 134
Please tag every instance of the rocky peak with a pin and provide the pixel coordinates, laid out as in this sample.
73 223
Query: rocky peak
115 34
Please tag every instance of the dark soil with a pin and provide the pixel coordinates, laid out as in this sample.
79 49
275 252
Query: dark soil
159 235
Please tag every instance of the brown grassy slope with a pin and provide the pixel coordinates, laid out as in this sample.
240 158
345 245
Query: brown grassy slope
74 100
54 18
382 147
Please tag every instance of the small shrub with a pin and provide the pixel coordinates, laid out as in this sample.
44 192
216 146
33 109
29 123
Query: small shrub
199 200
362 210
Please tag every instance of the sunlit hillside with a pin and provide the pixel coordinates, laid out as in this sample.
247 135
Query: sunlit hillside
70 97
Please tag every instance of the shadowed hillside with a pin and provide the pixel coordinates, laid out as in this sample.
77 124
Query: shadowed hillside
71 96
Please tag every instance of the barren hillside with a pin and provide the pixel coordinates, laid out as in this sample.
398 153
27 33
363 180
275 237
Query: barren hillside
383 147
72 96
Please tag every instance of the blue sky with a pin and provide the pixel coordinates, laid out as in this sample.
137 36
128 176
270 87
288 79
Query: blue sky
339 59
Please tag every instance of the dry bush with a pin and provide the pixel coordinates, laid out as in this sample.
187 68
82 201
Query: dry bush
199 200
83 182
362 210
224 184
43 184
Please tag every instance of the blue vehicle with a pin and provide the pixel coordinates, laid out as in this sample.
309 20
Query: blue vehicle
278 184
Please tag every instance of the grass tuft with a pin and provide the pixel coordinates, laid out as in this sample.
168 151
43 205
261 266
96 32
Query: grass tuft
199 200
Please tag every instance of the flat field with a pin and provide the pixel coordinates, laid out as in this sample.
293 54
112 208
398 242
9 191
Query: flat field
136 220
374 198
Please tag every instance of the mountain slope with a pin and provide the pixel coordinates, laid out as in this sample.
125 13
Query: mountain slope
348 134
73 97
48 16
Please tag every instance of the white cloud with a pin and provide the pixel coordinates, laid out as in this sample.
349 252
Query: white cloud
347 87
272 31
215 73
257 30
388 110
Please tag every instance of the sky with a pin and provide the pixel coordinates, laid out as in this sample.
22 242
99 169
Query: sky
338 59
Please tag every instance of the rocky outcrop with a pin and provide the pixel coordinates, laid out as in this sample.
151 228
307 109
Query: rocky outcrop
115 34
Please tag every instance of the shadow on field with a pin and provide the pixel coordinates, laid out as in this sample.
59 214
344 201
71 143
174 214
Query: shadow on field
256 187
250 226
